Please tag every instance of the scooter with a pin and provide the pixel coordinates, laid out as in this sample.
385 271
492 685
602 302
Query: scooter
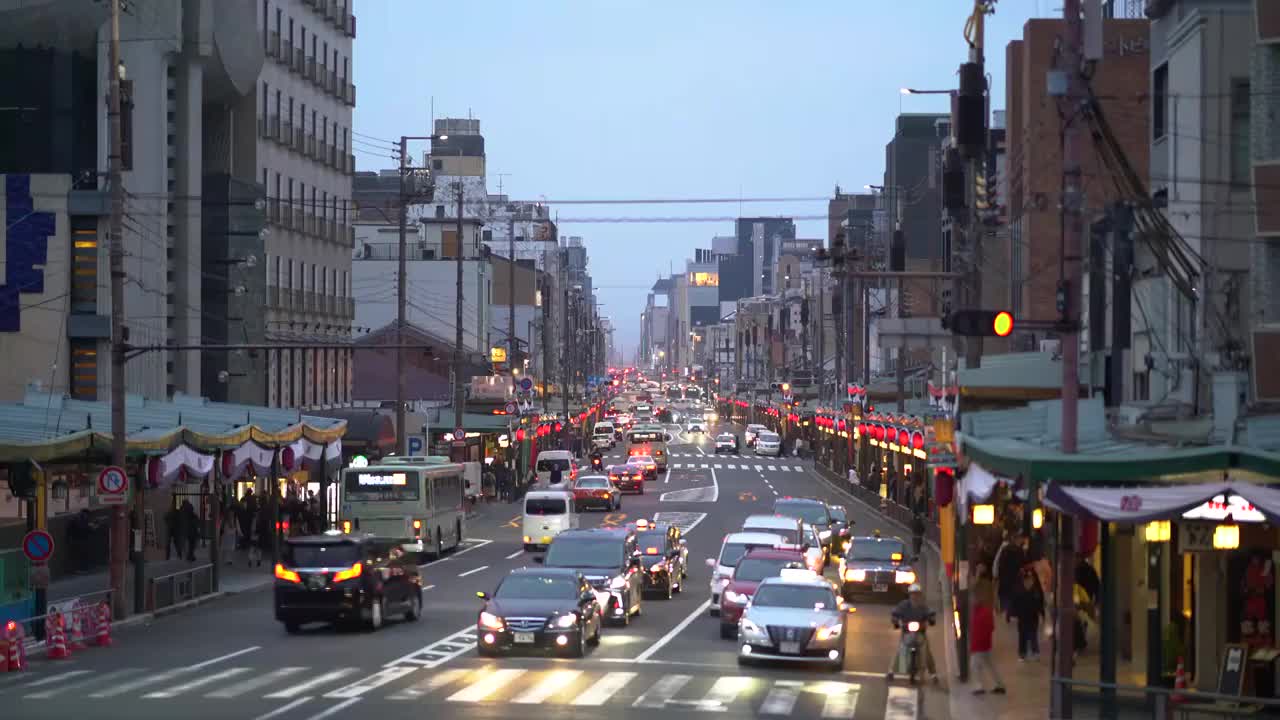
597 462
912 640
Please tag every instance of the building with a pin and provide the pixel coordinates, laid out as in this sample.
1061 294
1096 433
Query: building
761 239
654 321
911 237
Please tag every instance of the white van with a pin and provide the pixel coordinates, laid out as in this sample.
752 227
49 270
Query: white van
735 545
791 529
561 460
604 437
547 513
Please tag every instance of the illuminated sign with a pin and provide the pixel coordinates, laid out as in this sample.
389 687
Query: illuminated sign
1220 507
497 354
372 480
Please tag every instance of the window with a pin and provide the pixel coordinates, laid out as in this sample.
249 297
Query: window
1241 164
290 196
290 35
84 254
290 111
266 99
126 124
84 369
266 14
704 279
279 279
292 278
1159 101
279 95
324 130
325 57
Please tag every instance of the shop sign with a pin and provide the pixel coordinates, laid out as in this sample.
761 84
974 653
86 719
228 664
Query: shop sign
1221 506
1195 537
944 431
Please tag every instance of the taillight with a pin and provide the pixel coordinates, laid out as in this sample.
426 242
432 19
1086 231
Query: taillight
288 575
352 572
346 526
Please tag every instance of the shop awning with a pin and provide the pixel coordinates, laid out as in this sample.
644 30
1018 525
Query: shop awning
1147 503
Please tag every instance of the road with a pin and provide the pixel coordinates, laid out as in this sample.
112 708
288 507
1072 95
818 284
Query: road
231 659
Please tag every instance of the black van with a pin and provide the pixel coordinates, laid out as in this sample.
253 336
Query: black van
350 579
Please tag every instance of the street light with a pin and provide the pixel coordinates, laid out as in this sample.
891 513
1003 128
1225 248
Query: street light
913 91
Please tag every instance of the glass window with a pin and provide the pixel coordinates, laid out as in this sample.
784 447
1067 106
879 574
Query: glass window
794 596
839 514
586 552
1159 101
876 550
381 486
757 569
553 464
545 506
538 587
731 553
812 513
1241 112
333 555
594 483
790 536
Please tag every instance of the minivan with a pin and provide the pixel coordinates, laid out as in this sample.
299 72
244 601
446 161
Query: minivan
339 578
547 513
561 460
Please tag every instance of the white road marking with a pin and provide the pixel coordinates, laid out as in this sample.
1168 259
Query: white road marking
488 685
901 703
54 679
667 477
132 685
775 492
515 555
460 642
759 468
104 679
772 468
177 690
556 682
240 688
604 688
284 709
431 684
428 587
662 691
732 467
335 709
376 680
479 543
315 682
786 468
722 693
841 702
473 572
219 659
662 641
781 699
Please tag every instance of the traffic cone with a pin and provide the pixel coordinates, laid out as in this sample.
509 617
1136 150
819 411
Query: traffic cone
1179 683
103 638
56 637
76 639
13 657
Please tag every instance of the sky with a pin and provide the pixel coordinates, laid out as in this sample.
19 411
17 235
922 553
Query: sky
618 99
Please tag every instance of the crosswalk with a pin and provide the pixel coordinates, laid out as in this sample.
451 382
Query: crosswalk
760 467
636 686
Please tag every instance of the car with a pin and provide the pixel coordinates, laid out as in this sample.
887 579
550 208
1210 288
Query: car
877 566
608 559
696 425
796 617
726 442
596 491
768 443
663 557
551 460
627 478
752 431
732 548
842 528
342 578
646 463
813 512
814 555
750 571
547 609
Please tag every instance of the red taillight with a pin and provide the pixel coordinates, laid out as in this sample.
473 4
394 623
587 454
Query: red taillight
287 575
352 572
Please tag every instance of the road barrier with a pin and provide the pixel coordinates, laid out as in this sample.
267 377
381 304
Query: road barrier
13 651
168 590
56 632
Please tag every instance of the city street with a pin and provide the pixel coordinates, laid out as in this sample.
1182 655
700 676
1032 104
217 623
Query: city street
231 659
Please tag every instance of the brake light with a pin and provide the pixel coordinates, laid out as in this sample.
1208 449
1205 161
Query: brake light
287 575
651 551
346 526
352 572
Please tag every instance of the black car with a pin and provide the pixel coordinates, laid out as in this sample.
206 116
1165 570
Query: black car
539 609
812 512
341 578
663 558
878 566
627 478
609 560
841 528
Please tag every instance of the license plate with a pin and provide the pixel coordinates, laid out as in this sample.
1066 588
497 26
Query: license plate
789 648
881 587
524 638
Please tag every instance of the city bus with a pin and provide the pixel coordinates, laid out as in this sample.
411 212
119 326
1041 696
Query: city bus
648 440
417 500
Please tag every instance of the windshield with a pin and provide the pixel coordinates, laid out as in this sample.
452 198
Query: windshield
876 550
791 536
640 460
381 486
757 569
731 553
725 438
545 506
768 437
652 543
555 464
812 513
839 514
794 596
585 553
537 587
603 430
339 554
594 483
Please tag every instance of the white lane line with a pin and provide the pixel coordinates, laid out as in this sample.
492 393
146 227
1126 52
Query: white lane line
487 685
604 688
515 555
431 684
376 680
901 704
662 691
775 492
103 679
465 638
479 543
428 587
335 709
841 703
228 656
782 698
473 572
667 478
554 683
177 690
251 684
54 679
662 641
284 709
314 682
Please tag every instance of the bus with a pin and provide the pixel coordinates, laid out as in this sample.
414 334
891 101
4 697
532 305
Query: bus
649 440
417 500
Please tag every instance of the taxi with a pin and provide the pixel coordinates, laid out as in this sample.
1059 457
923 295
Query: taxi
627 478
596 491
754 567
795 617
647 465
877 566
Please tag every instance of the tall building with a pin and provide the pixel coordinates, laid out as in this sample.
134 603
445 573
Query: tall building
761 239
912 204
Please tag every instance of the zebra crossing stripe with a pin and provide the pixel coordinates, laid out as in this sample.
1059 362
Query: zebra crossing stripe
841 702
782 698
487 685
105 679
604 688
431 684
197 683
662 691
139 683
556 682
315 682
376 680
55 678
251 684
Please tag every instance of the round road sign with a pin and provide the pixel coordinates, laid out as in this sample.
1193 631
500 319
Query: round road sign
526 384
512 408
459 434
113 481
37 545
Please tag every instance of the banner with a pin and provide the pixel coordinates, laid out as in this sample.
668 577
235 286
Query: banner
1147 503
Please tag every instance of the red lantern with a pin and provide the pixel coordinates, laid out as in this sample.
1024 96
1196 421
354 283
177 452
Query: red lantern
944 486
904 438
878 432
228 464
842 426
520 435
917 441
559 426
153 472
287 458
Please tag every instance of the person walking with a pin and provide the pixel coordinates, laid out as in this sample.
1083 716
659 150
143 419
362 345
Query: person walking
982 626
1009 561
1028 609
189 522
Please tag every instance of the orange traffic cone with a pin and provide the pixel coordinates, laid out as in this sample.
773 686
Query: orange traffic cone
56 637
13 655
103 637
1179 683
75 640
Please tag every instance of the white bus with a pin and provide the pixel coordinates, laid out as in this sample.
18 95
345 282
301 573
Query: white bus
419 501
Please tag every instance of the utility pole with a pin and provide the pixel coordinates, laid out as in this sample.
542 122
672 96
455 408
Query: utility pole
1073 138
866 334
512 347
402 283
566 357
119 523
977 165
459 397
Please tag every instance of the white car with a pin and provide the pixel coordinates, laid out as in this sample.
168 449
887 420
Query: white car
797 617
768 443
751 432
695 425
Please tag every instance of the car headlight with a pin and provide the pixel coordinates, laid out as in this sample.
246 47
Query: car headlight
752 630
736 598
565 621
829 632
904 577
855 575
825 534
618 583
491 621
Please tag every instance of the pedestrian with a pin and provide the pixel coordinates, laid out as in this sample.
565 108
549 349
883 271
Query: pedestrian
190 524
1009 561
265 531
982 625
917 534
488 484
1028 609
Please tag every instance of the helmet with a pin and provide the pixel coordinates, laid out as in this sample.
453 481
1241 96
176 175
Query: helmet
915 588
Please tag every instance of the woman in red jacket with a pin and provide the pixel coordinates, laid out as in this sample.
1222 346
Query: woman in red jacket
982 626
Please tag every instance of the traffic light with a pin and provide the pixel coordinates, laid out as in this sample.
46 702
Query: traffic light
979 323
21 483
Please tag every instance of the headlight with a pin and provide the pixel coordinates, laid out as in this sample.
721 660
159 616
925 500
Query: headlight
658 566
904 577
565 621
855 575
846 545
491 621
618 583
750 629
824 534
736 598
913 626
829 632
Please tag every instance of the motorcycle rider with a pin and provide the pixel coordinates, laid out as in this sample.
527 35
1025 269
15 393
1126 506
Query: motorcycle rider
913 608
597 459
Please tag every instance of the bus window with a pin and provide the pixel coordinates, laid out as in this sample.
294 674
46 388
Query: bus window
381 486
446 491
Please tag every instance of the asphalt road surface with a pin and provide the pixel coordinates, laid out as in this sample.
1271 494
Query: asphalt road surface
231 659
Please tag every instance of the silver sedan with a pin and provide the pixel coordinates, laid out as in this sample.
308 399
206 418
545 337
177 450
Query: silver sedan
797 617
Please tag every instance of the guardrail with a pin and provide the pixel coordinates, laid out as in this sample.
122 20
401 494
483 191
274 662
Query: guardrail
166 591
1111 701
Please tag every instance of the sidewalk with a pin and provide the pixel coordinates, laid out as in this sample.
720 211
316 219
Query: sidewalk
1027 682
